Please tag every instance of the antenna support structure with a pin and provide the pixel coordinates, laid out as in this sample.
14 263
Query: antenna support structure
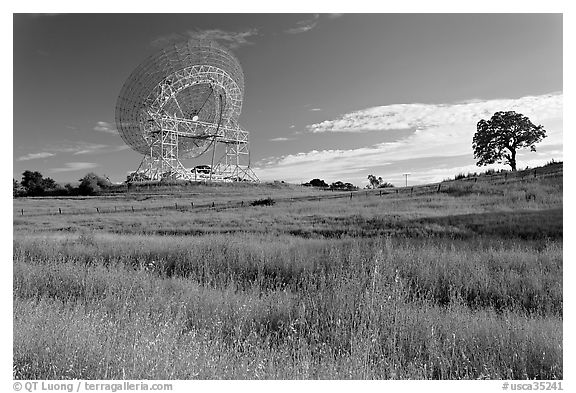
183 103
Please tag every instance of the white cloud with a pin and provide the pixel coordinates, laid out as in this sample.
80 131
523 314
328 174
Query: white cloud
304 25
35 156
405 116
315 109
310 23
281 139
442 133
101 149
232 39
103 126
75 166
89 148
80 147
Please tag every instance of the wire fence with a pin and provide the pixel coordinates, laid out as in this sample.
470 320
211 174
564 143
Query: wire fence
417 190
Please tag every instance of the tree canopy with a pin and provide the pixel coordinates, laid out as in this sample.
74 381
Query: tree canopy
91 184
378 182
317 183
497 140
35 184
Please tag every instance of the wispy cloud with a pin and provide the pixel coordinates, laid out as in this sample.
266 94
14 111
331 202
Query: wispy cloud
304 25
101 149
103 126
421 116
439 144
90 149
281 139
81 147
231 39
75 166
315 109
35 156
310 23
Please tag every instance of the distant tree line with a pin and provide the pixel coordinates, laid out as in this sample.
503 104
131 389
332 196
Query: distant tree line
337 185
35 184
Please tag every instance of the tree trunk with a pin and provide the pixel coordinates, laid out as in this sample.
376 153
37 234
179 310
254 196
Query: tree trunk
513 159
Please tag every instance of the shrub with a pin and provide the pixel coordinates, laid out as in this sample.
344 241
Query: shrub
92 184
263 202
317 183
386 185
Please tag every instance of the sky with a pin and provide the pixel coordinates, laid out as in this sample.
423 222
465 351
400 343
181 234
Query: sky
329 96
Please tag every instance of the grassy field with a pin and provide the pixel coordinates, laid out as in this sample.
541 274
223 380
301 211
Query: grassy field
457 284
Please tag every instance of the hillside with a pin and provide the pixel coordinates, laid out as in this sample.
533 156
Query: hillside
457 280
527 203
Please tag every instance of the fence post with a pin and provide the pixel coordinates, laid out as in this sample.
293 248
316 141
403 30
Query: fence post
439 185
350 196
534 173
192 204
97 210
396 191
411 190
242 203
212 204
475 179
176 205
60 210
22 211
132 209
380 193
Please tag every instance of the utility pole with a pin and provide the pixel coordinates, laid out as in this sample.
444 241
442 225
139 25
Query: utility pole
406 176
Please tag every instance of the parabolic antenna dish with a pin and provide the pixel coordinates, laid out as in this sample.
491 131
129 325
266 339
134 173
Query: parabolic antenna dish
180 102
196 80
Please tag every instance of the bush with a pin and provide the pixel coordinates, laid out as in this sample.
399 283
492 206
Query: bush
386 185
340 186
263 202
92 184
317 183
17 189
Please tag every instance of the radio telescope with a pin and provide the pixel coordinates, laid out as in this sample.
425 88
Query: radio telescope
184 102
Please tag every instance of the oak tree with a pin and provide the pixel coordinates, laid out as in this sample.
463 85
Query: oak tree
497 140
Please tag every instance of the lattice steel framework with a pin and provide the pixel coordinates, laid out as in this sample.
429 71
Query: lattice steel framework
180 103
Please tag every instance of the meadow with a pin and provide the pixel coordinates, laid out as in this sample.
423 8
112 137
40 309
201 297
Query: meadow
458 282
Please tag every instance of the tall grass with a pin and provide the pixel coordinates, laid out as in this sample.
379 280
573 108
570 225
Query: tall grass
283 307
461 283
